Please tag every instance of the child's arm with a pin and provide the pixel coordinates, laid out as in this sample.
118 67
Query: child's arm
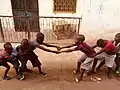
94 46
102 50
49 45
48 50
69 50
68 46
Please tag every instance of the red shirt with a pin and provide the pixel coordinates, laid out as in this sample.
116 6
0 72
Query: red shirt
110 48
89 51
4 55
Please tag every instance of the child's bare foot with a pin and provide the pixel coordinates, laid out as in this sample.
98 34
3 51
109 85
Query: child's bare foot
42 73
78 80
93 79
98 79
76 72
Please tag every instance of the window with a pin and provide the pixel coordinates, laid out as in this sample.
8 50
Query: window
65 6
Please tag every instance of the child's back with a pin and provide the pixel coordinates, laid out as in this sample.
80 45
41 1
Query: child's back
85 48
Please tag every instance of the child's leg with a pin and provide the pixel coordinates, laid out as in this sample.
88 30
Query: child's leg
39 67
17 72
78 67
98 57
100 65
5 77
21 70
23 67
94 65
117 60
40 71
21 75
23 60
81 76
16 65
109 61
36 62
85 66
80 60
109 72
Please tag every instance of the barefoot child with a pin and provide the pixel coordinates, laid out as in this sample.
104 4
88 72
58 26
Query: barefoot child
22 51
7 56
85 59
116 42
26 49
107 53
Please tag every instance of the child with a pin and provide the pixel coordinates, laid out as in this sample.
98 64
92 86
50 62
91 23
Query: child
85 59
7 56
117 59
107 53
22 52
26 49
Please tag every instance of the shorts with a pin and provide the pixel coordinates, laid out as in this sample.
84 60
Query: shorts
86 62
5 64
14 62
109 59
82 58
33 59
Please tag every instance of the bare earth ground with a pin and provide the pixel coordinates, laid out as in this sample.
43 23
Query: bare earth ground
59 68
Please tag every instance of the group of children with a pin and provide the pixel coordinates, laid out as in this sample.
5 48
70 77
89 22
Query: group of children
110 52
21 54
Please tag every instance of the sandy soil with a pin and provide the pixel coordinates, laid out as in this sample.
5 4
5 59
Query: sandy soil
59 68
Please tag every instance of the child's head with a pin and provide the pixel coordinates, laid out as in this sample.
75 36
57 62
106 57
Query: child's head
40 38
79 39
8 47
25 43
117 37
101 43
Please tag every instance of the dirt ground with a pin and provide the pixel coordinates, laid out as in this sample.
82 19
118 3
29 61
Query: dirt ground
59 68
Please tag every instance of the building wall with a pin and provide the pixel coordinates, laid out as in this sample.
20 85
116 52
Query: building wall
100 18
5 7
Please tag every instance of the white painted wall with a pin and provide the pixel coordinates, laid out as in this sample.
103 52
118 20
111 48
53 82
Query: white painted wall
96 23
5 7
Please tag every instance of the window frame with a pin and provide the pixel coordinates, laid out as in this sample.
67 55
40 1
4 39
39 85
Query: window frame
67 11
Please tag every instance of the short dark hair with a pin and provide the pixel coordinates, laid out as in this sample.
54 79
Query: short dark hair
40 35
6 45
25 40
100 42
81 37
118 35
